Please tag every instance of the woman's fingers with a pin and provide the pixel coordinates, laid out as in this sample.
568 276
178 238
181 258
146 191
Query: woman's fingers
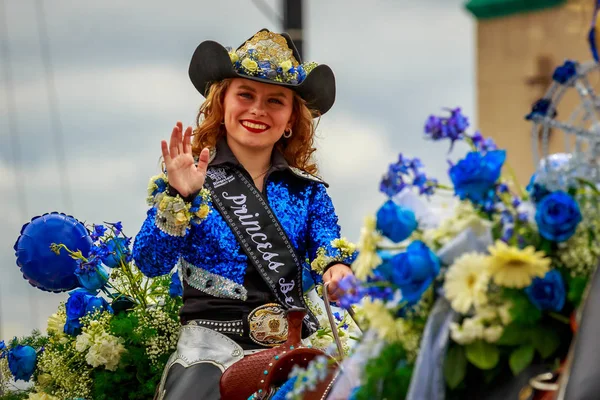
165 153
203 161
187 141
175 139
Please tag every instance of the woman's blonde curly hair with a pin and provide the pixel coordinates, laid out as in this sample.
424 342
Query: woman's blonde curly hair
297 150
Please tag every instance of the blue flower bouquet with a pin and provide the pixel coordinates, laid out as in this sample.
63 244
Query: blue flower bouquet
466 305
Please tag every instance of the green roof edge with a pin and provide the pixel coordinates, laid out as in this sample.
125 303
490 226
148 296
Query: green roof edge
488 9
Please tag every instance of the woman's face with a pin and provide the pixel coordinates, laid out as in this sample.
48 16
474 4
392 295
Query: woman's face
256 114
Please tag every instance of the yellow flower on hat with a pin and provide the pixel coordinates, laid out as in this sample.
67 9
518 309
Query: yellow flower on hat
250 65
233 56
515 268
286 65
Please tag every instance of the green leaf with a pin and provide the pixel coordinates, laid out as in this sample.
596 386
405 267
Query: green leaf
455 366
577 286
545 341
520 358
482 354
514 335
522 311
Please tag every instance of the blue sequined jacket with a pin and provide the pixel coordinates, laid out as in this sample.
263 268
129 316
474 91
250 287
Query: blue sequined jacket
209 258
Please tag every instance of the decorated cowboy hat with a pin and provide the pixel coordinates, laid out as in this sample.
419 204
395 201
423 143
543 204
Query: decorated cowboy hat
266 57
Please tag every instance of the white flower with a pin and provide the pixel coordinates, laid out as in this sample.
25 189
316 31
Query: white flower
492 333
466 282
367 258
504 313
106 350
470 331
82 342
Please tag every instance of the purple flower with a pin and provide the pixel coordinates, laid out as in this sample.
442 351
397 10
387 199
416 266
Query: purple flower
433 127
99 231
92 275
404 171
452 127
118 227
117 251
352 289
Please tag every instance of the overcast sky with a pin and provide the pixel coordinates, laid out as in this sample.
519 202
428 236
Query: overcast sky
120 72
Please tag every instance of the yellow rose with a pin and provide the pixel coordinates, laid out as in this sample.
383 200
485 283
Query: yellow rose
180 218
202 211
163 204
250 65
286 65
233 57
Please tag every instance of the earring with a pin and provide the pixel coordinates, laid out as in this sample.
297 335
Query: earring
287 133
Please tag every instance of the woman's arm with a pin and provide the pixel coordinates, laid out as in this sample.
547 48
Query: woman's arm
325 247
167 227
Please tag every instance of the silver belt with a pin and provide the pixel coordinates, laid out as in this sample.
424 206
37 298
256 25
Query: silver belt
267 325
233 327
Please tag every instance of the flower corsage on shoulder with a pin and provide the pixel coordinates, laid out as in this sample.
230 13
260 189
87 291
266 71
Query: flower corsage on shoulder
174 215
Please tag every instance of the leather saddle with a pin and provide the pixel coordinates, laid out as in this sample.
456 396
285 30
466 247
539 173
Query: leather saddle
260 374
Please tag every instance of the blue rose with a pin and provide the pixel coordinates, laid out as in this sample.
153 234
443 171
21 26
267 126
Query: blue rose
175 288
557 216
414 270
72 327
117 252
395 222
535 190
21 362
475 175
79 303
92 277
97 304
547 293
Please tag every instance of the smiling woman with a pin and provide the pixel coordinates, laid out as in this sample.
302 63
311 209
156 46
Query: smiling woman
240 212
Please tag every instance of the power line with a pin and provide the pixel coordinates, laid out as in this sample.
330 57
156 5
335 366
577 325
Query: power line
13 128
57 128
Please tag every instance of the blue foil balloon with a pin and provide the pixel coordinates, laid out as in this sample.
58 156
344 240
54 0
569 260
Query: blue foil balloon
43 268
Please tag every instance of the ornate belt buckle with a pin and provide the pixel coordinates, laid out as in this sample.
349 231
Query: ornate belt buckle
268 325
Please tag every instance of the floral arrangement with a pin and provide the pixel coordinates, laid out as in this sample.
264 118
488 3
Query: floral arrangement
110 339
267 55
455 305
114 334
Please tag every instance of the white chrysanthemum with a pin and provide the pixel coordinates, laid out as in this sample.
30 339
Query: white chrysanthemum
504 313
492 333
466 282
468 332
56 323
106 350
380 319
83 342
464 217
367 258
